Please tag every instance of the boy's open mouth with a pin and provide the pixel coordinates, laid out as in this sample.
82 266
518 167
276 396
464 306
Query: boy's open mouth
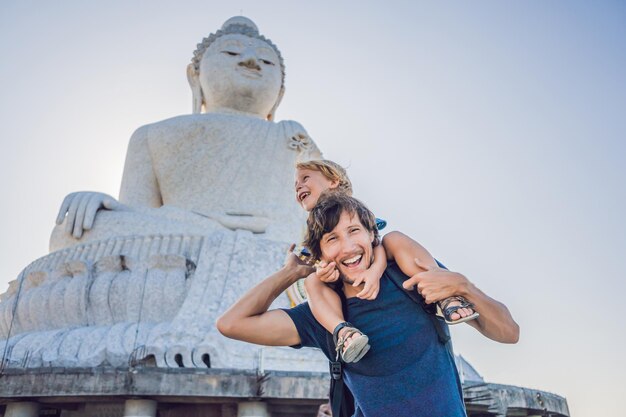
303 195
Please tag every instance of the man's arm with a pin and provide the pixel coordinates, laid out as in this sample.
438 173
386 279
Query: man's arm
495 321
249 319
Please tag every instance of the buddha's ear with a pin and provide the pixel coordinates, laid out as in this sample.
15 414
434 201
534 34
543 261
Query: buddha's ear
196 89
281 93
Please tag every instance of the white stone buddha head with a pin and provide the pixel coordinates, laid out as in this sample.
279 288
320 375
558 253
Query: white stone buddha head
236 68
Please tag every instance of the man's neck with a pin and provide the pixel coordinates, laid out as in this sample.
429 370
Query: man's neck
350 291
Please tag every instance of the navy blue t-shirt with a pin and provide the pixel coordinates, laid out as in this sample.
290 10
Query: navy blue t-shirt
407 372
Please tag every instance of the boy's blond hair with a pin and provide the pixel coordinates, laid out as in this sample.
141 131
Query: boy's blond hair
331 170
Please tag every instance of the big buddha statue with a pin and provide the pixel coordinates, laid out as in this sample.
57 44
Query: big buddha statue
205 210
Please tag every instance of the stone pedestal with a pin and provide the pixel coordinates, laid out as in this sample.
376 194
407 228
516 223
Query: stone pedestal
150 299
105 392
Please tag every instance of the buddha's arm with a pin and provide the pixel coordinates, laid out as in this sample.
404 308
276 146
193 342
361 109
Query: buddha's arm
139 183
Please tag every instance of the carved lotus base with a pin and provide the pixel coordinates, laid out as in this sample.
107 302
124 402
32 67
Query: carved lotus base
142 299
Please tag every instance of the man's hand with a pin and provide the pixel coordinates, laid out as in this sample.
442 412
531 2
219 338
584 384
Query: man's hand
81 208
435 283
296 265
372 285
326 272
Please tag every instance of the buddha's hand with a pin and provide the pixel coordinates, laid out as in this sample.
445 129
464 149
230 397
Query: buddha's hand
81 208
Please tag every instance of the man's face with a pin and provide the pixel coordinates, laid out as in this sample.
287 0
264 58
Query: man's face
238 64
349 245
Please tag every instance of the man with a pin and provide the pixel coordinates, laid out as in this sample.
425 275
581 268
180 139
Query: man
407 372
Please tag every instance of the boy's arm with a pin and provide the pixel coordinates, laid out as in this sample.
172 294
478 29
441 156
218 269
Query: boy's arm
380 262
404 250
495 321
435 284
248 319
371 277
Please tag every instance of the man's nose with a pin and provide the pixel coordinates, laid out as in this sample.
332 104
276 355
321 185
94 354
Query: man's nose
349 245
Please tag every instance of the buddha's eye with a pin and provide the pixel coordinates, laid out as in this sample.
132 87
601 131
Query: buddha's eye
266 62
231 53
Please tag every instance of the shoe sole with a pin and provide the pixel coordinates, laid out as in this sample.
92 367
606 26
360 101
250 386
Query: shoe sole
356 350
461 320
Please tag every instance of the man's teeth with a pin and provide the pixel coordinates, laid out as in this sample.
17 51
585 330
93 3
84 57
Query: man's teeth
352 260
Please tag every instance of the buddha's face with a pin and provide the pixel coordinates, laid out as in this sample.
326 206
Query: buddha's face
240 73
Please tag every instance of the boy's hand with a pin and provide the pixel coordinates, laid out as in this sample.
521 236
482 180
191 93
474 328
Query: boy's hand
372 285
326 272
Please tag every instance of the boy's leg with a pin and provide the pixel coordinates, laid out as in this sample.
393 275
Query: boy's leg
404 250
326 308
324 302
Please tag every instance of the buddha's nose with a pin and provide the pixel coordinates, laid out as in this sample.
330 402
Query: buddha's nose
250 63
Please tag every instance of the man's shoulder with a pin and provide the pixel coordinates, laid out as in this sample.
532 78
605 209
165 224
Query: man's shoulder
312 333
394 272
302 316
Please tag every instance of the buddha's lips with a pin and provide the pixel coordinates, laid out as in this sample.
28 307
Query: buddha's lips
250 72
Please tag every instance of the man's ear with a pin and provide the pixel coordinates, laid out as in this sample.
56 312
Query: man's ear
196 89
371 236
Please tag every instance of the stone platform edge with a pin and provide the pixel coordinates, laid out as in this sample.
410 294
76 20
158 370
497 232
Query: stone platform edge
58 385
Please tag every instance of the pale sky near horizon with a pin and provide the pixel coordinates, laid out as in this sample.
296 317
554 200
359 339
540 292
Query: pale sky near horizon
491 132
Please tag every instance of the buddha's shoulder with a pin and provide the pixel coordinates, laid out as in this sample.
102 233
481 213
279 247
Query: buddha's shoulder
180 125
177 126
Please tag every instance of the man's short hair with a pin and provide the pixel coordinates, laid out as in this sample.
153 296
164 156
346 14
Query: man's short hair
331 170
324 217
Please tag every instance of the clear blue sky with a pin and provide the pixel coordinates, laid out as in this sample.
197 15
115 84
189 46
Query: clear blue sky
492 132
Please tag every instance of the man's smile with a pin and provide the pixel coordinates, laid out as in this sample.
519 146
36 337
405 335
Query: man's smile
353 262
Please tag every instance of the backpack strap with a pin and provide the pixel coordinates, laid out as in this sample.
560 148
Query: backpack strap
341 399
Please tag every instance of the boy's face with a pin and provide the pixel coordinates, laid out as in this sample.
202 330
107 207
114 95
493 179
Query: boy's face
309 186
349 245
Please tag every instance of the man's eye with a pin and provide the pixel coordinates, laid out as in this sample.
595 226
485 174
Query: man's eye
231 53
266 62
330 238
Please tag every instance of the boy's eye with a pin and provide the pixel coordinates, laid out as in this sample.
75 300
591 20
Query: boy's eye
266 62
231 53
306 177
